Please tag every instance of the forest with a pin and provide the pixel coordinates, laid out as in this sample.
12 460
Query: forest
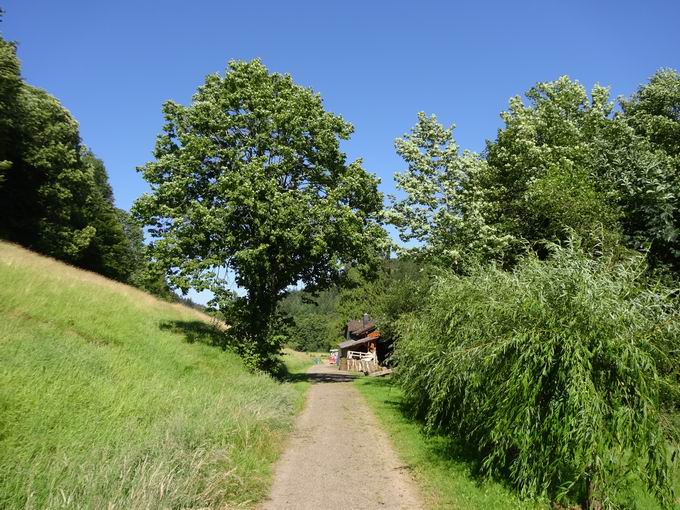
532 294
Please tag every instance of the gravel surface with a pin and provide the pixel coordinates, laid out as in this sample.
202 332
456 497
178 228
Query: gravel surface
338 456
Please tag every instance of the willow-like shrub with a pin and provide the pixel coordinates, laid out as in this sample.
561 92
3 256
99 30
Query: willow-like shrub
550 371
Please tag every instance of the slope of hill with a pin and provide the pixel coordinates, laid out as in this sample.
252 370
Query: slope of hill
110 398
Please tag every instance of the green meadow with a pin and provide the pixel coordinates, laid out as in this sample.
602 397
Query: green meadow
110 398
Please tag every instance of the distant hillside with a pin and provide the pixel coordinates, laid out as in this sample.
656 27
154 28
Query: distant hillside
110 398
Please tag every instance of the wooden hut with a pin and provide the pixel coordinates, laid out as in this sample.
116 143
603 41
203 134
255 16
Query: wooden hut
361 350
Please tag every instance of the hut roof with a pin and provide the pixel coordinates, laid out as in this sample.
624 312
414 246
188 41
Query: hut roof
353 343
364 330
353 326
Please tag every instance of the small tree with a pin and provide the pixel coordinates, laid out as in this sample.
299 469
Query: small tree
443 209
250 177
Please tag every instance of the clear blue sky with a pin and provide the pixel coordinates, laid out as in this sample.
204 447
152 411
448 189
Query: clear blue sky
112 64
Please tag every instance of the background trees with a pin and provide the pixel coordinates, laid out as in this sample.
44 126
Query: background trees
654 114
563 164
10 83
250 177
54 193
558 362
314 321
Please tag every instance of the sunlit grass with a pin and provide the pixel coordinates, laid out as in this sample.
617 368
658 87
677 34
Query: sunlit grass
445 474
110 398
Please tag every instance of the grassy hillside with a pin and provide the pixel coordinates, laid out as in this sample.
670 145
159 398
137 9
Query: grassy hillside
110 398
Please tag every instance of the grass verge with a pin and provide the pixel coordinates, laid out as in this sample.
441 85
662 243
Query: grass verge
442 469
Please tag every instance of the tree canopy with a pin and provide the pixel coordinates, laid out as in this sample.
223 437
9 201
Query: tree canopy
564 163
442 207
250 177
55 196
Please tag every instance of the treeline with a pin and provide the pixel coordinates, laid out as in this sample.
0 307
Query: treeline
542 324
55 195
536 315
565 163
314 322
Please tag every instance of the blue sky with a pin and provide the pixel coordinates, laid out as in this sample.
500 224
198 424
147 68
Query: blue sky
112 64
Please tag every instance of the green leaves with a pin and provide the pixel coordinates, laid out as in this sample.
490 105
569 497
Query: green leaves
250 177
551 370
562 164
443 208
654 111
54 193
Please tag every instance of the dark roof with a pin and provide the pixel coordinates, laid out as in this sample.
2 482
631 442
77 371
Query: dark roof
353 326
364 330
352 343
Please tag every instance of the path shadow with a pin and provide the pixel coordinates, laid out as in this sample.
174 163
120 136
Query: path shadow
330 377
322 377
197 332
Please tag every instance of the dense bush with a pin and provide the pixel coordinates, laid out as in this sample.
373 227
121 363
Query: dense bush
553 371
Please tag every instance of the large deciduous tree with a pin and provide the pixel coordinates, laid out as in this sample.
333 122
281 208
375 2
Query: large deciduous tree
654 113
250 177
564 163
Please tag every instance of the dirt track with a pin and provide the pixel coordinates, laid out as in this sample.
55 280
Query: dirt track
338 457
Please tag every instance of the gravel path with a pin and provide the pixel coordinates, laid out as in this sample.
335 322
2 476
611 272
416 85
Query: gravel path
338 457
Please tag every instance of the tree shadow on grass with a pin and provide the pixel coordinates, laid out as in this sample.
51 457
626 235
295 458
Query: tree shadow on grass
198 332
